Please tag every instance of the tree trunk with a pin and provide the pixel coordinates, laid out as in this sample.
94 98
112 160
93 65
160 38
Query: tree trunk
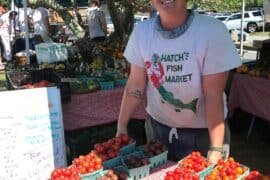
118 27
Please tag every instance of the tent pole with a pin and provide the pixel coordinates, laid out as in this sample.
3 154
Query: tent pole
26 33
242 29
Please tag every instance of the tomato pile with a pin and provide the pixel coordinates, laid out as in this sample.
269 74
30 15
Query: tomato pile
194 162
69 173
153 148
253 175
88 163
42 83
181 173
226 170
111 148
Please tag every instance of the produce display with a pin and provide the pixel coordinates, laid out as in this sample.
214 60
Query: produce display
135 160
227 170
69 173
113 175
255 175
88 163
194 162
42 83
111 148
181 173
254 71
153 148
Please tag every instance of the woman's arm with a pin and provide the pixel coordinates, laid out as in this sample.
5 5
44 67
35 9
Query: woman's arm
213 88
133 94
103 23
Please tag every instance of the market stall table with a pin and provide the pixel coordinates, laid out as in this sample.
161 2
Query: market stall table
96 108
160 172
250 94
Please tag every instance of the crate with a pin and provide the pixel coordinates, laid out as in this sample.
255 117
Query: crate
202 173
139 172
112 162
16 80
209 171
118 169
106 85
159 160
51 52
91 176
128 148
156 161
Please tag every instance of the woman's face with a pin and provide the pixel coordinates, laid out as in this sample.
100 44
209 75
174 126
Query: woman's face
169 7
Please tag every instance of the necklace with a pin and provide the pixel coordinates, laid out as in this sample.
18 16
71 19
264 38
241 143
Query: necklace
174 33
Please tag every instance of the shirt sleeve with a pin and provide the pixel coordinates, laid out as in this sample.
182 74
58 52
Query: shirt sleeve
132 52
221 54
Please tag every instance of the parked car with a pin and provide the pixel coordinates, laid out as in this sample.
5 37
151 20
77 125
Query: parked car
253 20
221 17
140 18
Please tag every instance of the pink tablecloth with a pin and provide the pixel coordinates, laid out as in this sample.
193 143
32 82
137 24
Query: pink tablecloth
97 108
159 173
251 94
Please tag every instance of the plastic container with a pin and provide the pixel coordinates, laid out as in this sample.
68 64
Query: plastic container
106 85
158 160
139 172
51 52
91 176
16 80
130 148
121 82
118 169
207 171
203 172
112 163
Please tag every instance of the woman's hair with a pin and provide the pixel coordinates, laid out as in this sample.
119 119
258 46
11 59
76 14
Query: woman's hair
95 2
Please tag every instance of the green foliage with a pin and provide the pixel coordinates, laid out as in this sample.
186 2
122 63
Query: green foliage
225 5
5 3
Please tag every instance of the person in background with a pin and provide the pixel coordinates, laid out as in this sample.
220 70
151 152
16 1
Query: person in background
2 10
40 20
181 60
97 26
6 34
21 19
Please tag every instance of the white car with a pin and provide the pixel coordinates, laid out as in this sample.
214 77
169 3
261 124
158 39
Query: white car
253 20
221 17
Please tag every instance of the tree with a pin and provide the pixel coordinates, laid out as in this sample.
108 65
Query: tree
5 3
71 20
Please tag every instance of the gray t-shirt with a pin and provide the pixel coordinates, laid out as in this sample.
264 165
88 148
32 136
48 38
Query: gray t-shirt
175 68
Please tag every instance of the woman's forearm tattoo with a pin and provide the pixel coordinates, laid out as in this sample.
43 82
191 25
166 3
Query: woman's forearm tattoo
136 93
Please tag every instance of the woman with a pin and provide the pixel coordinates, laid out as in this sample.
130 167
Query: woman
96 22
181 59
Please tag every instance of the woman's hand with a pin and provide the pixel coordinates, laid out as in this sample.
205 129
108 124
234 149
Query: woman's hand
214 156
121 130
